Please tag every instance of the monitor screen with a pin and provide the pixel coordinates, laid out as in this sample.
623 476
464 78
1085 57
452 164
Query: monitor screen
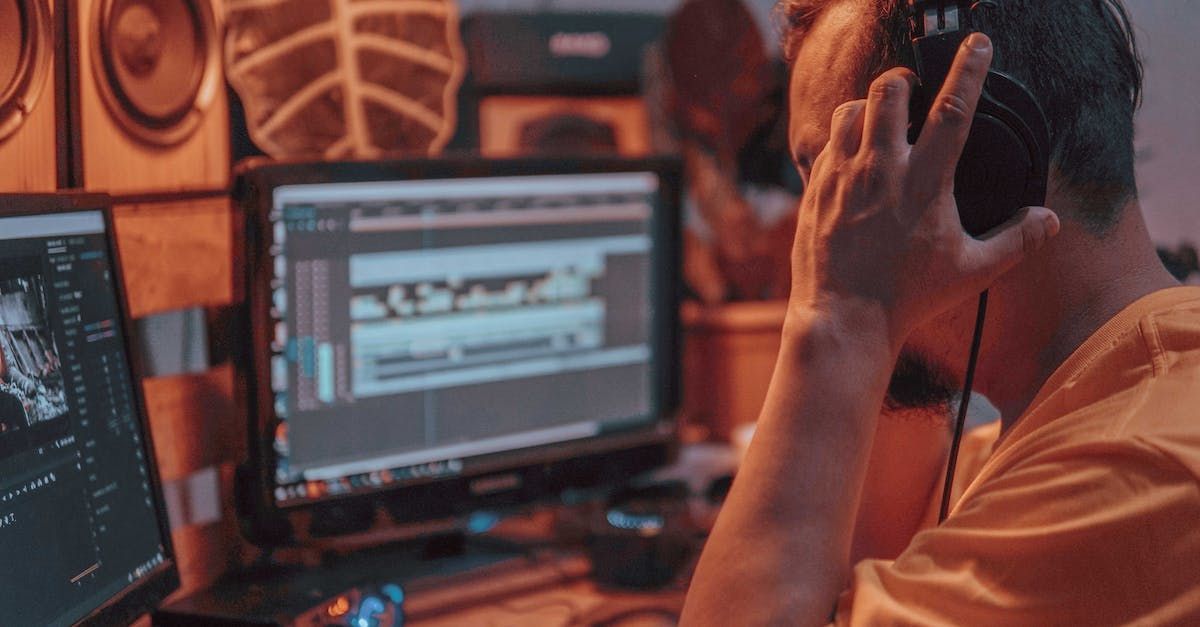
421 328
80 518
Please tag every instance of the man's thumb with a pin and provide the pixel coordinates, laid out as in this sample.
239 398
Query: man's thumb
1005 246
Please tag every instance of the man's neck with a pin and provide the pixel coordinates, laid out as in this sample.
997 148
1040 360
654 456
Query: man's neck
1059 298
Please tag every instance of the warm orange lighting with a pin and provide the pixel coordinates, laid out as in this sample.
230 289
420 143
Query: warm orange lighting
339 607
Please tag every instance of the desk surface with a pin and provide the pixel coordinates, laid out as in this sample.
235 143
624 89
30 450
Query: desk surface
547 584
576 603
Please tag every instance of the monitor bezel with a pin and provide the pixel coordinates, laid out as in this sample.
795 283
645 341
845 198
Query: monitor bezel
146 594
267 523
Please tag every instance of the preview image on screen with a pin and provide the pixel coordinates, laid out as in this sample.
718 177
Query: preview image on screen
31 382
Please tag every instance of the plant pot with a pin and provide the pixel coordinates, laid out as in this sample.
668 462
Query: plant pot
729 354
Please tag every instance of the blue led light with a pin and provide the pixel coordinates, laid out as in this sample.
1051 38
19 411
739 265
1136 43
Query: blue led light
371 607
393 592
368 609
482 522
643 523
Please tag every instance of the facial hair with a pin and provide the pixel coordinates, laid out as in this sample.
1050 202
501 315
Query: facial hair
919 383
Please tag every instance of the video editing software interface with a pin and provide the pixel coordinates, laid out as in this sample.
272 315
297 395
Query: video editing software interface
78 522
420 325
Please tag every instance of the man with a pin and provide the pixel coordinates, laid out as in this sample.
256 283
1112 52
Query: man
1088 510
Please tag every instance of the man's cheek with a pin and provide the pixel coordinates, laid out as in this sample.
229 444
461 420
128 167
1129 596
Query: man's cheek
947 336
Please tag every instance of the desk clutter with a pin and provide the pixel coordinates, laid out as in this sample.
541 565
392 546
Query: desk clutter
621 560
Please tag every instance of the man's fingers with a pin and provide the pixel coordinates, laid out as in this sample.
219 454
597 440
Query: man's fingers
1006 245
945 132
886 125
845 131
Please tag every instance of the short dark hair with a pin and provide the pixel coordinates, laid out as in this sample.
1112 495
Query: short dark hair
1079 57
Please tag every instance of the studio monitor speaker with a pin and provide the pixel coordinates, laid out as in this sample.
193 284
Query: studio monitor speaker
149 105
28 155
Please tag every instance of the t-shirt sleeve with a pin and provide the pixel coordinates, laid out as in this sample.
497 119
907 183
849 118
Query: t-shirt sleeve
1100 534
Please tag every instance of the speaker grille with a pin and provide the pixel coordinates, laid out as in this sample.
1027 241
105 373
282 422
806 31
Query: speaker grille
26 42
156 64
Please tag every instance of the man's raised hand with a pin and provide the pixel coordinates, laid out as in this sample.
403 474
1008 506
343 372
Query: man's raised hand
879 232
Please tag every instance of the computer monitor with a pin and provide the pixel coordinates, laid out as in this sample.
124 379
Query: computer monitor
83 533
441 336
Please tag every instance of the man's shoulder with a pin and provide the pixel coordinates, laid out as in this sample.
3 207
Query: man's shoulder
1151 424
1138 392
1165 419
1157 339
1096 529
1163 413
1148 431
1172 338
1135 468
1084 512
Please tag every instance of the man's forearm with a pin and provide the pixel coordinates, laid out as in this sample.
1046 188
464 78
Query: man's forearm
780 550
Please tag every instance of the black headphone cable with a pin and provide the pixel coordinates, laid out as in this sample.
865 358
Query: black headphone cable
964 403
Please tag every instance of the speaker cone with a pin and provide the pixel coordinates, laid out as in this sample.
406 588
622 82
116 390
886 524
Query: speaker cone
156 65
26 41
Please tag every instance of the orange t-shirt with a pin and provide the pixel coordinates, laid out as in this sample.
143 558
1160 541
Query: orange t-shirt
1088 510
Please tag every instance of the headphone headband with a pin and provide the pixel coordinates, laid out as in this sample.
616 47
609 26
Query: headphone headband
939 17
927 17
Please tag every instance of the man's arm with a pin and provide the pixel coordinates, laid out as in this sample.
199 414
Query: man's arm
780 548
879 250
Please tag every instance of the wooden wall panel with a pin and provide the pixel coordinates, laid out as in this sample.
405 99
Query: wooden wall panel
207 551
176 255
196 422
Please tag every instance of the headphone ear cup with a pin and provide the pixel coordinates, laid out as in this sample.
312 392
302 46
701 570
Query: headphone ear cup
1004 164
990 181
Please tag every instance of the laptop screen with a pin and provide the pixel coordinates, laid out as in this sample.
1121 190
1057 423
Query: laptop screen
79 521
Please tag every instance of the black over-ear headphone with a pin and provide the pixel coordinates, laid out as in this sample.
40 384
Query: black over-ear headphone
1005 161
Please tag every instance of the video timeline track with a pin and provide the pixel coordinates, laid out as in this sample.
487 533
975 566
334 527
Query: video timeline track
506 311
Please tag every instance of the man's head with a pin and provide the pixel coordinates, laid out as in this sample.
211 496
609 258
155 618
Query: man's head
1077 57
